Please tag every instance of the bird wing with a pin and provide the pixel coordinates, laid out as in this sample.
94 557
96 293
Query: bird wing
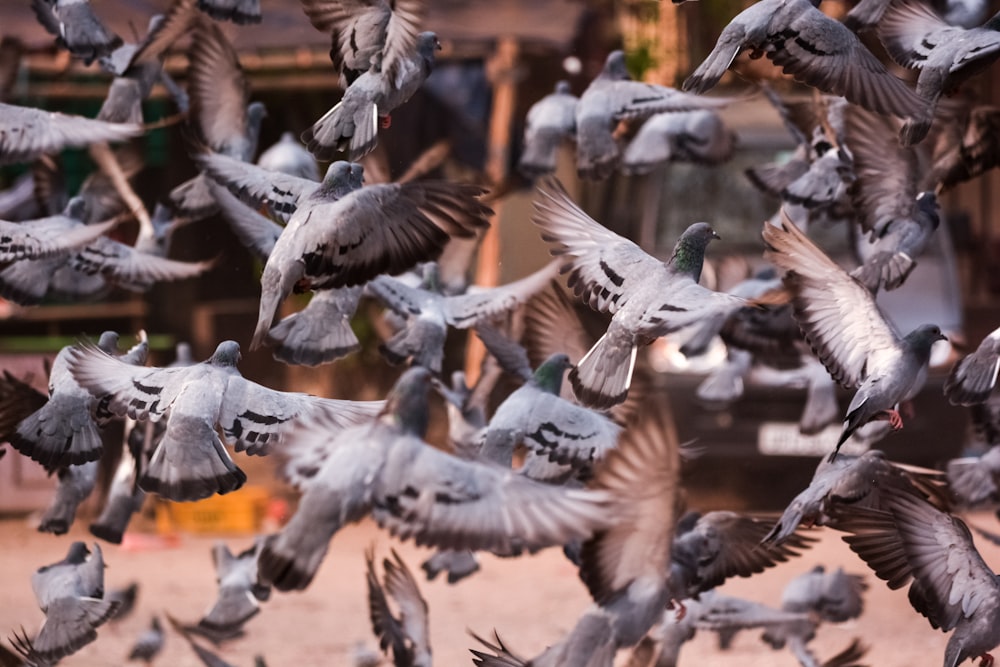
130 268
255 231
911 30
47 236
386 627
479 304
567 433
604 267
972 379
413 616
837 315
219 91
511 357
256 186
404 300
26 133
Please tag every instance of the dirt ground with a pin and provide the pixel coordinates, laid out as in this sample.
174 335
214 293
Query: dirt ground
531 601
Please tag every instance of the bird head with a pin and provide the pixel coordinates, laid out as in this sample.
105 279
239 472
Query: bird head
108 342
226 354
923 337
549 375
615 68
689 253
406 405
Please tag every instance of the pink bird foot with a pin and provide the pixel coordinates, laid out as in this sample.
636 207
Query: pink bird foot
986 660
893 417
681 609
386 122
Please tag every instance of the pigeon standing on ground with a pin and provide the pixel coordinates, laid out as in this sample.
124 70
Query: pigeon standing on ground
647 298
149 644
190 461
550 122
847 330
416 491
76 27
408 634
816 50
70 593
973 377
352 125
27 132
240 591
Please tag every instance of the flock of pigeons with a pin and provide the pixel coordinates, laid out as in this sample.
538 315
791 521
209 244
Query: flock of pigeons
601 470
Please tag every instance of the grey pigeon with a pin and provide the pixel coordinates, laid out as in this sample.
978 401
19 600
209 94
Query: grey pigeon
699 137
240 592
76 482
26 132
536 416
848 332
352 124
416 491
367 34
458 565
973 377
647 298
149 644
225 119
973 480
124 499
76 27
125 597
429 312
289 157
550 122
918 37
65 431
613 97
70 593
190 461
408 633
951 584
58 234
242 12
813 48
853 481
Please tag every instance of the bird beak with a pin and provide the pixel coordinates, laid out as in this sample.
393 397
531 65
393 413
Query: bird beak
715 235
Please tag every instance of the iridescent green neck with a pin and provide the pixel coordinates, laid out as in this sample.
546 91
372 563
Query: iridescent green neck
548 377
688 257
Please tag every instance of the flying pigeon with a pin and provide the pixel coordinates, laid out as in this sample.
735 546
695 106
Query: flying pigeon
973 377
816 50
149 644
973 480
242 12
647 298
26 132
125 598
240 591
416 491
289 157
698 136
352 124
65 430
44 237
613 97
550 121
190 461
428 312
124 499
848 332
854 481
951 584
408 633
76 27
70 593
76 482
367 34
918 37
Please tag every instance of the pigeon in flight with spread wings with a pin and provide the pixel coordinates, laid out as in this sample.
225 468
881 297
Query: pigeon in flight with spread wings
974 376
849 333
367 34
43 237
646 297
26 132
190 461
815 49
385 468
76 27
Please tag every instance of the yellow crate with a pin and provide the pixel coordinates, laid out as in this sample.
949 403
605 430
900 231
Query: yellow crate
241 511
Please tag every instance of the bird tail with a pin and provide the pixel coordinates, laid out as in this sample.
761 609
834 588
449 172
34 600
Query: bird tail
786 525
115 516
289 560
233 608
296 341
351 123
884 269
75 484
182 469
270 298
75 627
602 378
58 435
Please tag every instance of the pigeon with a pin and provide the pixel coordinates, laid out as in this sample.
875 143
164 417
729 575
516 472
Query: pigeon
240 592
951 584
190 462
813 48
613 97
854 481
973 377
352 124
458 565
225 119
26 132
149 644
850 335
550 122
367 34
536 416
124 499
697 136
242 12
916 36
65 430
125 597
972 480
76 482
207 657
289 157
647 298
76 27
408 634
415 491
44 237
70 593
428 312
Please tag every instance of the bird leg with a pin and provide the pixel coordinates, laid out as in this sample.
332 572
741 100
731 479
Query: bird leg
386 122
986 660
679 606
893 417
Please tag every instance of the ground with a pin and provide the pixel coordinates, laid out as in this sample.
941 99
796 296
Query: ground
531 602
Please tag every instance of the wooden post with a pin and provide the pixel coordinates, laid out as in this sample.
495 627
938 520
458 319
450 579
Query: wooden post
500 69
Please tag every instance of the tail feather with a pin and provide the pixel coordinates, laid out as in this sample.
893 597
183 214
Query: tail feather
190 463
885 269
602 378
298 341
59 434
